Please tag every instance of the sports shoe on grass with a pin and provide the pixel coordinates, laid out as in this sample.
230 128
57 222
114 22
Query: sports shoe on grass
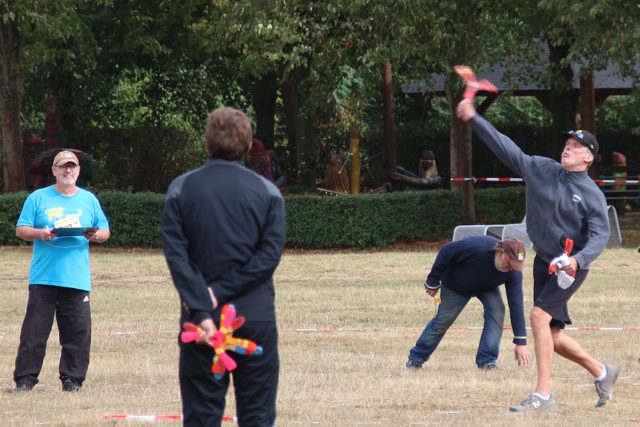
605 387
70 385
413 364
488 367
22 388
535 403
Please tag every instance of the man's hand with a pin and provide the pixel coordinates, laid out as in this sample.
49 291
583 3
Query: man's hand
208 328
432 292
522 355
47 234
97 236
572 268
465 110
214 300
91 235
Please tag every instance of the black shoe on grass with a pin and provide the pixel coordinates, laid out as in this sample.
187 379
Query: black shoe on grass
22 388
71 385
414 365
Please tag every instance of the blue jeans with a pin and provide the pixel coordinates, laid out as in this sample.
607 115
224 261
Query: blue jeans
449 309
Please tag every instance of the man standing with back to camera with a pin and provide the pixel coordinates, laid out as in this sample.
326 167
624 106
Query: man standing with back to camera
563 203
223 233
59 276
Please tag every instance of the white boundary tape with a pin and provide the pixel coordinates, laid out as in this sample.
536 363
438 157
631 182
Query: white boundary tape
568 328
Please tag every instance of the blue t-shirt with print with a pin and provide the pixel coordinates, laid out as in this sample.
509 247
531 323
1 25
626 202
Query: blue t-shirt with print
64 261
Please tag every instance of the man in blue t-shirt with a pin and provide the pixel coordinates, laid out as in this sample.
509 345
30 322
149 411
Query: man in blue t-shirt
59 276
476 267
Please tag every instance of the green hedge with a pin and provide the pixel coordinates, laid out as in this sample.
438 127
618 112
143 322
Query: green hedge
370 220
134 218
500 205
364 221
10 207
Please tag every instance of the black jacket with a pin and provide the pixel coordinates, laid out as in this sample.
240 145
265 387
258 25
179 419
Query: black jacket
224 227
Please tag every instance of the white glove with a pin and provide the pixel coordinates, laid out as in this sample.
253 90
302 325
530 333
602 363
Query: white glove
556 265
561 261
564 280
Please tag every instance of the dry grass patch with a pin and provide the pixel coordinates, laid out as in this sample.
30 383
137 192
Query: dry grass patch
353 375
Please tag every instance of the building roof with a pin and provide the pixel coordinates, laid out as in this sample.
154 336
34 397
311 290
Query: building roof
607 82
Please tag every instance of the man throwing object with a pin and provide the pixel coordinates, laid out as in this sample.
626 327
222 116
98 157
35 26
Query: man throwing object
563 203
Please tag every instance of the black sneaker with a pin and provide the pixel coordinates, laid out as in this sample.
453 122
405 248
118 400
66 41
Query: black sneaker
413 364
22 387
71 385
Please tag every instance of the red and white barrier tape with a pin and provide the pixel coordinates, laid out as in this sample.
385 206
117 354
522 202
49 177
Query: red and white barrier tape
617 181
489 179
599 181
153 418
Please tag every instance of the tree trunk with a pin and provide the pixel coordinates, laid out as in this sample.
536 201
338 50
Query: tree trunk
300 128
306 137
389 118
588 104
51 124
460 163
264 95
11 95
561 98
290 107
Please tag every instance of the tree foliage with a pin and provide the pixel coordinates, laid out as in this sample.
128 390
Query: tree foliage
33 34
136 64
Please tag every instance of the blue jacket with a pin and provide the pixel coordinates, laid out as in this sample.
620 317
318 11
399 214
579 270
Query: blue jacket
467 267
223 227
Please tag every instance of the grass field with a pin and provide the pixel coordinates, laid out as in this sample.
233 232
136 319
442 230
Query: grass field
347 322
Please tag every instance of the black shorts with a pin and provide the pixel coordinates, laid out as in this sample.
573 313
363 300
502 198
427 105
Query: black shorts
550 297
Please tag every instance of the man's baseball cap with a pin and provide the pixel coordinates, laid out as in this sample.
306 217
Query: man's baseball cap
64 157
514 249
585 137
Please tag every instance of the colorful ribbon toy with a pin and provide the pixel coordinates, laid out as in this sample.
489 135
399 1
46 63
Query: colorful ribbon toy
223 340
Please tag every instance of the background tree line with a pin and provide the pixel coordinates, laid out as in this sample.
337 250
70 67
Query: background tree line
133 80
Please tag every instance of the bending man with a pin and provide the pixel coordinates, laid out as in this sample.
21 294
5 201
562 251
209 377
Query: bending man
476 267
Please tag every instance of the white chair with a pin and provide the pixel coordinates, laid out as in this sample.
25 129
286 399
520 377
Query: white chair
495 230
464 231
519 231
615 238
